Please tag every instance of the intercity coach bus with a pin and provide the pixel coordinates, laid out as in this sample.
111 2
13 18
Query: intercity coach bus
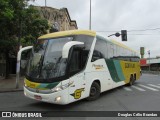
68 66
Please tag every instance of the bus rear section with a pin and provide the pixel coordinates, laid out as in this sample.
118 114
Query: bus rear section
110 65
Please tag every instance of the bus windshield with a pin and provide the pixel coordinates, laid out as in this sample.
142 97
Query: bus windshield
46 59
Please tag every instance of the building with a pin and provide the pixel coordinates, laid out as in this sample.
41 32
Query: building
58 18
152 64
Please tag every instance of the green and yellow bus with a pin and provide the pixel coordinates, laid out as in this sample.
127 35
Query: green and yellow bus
68 66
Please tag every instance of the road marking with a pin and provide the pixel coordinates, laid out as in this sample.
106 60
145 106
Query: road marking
138 88
126 88
151 75
147 87
154 85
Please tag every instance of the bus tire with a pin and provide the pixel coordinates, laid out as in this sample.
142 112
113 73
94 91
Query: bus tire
131 82
135 78
94 92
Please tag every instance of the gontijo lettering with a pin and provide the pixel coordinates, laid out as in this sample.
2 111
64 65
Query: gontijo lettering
129 65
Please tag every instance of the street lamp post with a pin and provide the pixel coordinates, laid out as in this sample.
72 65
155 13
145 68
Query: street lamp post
149 58
45 3
90 15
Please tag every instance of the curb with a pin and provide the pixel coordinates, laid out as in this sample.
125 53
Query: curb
10 90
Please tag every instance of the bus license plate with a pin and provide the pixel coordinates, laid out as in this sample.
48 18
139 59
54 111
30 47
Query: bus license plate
37 97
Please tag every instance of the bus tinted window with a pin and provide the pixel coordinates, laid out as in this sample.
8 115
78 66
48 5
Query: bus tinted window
100 50
79 56
107 50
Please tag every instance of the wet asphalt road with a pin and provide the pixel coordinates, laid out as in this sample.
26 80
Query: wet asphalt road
143 96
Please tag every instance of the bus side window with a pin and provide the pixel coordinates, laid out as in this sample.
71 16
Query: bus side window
75 61
96 55
100 50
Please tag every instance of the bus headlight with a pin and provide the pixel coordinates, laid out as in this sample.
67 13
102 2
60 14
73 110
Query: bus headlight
62 87
56 89
57 99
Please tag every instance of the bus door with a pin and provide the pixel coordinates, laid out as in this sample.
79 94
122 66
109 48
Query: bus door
77 63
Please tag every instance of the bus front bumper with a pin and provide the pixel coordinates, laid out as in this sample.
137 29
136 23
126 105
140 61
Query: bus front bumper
59 97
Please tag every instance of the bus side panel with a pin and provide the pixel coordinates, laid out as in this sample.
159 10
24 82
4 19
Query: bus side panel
129 68
121 71
98 70
116 72
111 73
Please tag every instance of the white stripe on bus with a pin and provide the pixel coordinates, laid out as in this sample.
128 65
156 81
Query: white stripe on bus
138 88
148 87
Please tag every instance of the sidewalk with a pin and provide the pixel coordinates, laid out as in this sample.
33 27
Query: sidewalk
9 85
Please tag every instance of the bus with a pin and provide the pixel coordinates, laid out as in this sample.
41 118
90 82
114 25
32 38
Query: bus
68 66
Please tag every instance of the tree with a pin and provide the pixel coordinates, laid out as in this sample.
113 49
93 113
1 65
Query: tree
33 26
18 23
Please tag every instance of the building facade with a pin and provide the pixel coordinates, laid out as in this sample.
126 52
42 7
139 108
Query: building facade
58 18
151 64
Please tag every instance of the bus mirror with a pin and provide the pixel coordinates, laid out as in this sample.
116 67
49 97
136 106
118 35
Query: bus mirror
18 63
67 47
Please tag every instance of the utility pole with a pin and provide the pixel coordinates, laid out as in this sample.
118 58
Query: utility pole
45 3
90 14
149 59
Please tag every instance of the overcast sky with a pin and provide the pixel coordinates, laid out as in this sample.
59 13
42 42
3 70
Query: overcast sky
115 15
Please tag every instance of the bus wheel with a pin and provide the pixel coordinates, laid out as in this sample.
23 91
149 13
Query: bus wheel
135 77
131 82
94 91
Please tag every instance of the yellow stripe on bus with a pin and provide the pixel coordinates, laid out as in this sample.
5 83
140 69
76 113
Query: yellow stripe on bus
31 84
68 33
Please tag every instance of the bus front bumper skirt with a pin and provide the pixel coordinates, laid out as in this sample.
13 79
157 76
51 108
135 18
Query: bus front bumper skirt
59 97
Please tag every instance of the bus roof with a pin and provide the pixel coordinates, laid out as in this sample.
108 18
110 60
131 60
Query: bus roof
122 45
68 33
82 32
116 43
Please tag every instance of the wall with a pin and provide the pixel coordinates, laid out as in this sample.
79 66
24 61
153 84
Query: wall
60 16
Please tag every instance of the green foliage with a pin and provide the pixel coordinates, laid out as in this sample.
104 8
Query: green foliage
39 27
19 22
33 26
